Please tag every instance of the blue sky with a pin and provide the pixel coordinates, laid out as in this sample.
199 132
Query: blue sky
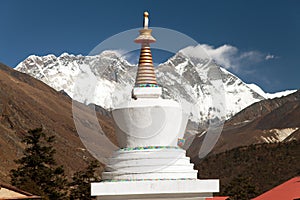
258 40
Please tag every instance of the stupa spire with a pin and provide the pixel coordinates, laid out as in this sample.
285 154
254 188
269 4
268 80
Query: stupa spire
149 129
146 20
145 75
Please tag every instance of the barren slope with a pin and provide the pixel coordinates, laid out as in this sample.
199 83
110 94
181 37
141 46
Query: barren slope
26 103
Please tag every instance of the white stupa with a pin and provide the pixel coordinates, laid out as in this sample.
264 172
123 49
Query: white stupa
149 163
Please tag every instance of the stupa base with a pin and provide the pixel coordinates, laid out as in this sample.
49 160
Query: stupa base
155 189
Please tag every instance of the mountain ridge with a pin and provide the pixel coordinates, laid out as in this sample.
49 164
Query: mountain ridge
27 103
185 79
268 121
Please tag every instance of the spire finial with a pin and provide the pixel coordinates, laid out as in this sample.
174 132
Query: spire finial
146 74
146 20
146 77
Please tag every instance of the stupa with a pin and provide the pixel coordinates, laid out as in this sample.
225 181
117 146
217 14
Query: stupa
149 163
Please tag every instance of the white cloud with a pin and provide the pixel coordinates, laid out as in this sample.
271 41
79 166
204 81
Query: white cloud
270 56
226 55
132 57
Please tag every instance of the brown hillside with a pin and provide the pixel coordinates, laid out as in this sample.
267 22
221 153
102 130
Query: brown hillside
26 103
256 124
253 169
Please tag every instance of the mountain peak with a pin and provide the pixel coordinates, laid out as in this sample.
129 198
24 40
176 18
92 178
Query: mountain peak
184 77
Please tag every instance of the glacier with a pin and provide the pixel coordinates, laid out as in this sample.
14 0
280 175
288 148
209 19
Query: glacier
107 79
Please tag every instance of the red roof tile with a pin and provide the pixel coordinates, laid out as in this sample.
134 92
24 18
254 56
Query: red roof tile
289 190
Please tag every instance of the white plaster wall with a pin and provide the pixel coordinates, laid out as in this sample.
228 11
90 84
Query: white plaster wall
149 122
149 164
179 189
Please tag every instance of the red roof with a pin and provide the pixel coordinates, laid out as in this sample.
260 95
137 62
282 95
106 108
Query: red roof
289 190
217 198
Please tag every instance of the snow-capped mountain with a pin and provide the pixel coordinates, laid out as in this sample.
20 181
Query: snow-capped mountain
270 95
107 80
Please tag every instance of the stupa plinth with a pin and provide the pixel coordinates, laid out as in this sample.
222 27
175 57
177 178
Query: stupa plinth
149 163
